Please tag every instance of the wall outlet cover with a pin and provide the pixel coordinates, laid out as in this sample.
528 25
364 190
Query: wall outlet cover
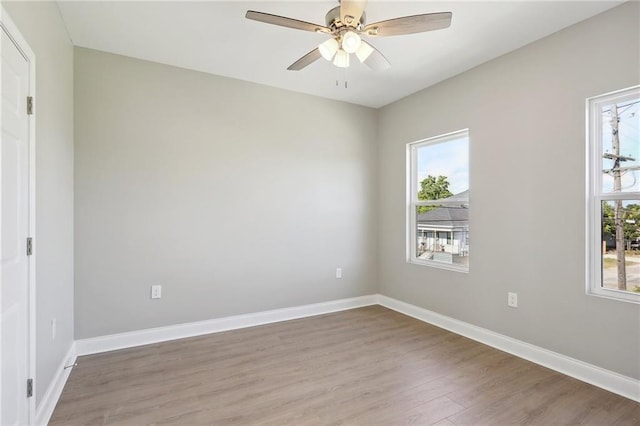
156 291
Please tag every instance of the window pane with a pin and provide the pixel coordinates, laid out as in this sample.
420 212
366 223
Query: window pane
620 236
621 146
443 169
439 201
443 234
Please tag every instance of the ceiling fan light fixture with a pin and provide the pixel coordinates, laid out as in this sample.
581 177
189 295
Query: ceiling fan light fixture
341 59
364 51
345 24
351 42
328 48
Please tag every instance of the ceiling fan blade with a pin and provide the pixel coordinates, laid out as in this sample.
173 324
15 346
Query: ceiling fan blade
307 59
409 24
376 60
286 22
351 11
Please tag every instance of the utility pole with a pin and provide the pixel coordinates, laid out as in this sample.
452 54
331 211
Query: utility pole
618 217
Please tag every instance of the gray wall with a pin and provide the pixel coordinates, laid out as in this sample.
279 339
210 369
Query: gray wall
526 115
235 197
41 25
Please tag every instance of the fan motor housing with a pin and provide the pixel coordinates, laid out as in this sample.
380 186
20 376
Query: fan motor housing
332 19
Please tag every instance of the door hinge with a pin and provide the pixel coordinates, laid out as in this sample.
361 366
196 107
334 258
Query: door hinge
29 246
29 388
29 105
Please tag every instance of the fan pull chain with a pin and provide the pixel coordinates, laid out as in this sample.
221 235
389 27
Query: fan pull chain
345 77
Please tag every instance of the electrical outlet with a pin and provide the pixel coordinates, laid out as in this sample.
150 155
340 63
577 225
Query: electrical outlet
512 299
156 291
53 329
338 273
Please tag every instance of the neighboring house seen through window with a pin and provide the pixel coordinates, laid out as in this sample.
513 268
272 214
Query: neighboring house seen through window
438 201
613 184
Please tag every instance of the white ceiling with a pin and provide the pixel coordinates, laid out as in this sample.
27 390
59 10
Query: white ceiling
214 37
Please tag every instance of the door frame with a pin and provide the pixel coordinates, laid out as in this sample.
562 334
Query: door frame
14 33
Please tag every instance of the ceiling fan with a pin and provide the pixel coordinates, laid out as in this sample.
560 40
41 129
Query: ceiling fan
346 24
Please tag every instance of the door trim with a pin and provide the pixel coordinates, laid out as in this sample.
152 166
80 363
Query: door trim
14 33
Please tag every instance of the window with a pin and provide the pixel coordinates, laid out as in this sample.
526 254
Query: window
613 188
438 201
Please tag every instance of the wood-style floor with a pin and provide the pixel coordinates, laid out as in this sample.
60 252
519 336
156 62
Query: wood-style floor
367 366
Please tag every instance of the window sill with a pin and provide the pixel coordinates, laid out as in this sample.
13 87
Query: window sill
439 265
621 296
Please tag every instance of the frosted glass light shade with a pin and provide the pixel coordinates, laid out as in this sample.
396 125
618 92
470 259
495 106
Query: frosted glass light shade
364 51
351 42
341 59
328 49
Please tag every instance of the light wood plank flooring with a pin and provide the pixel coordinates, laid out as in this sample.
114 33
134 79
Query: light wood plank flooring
367 366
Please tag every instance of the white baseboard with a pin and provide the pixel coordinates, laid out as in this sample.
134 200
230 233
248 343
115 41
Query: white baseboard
180 331
605 379
52 395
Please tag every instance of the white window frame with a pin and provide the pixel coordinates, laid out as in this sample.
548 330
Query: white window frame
413 202
595 195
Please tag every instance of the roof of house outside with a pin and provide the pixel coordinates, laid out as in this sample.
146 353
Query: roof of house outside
445 217
462 197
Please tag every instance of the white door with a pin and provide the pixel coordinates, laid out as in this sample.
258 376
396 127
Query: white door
14 229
